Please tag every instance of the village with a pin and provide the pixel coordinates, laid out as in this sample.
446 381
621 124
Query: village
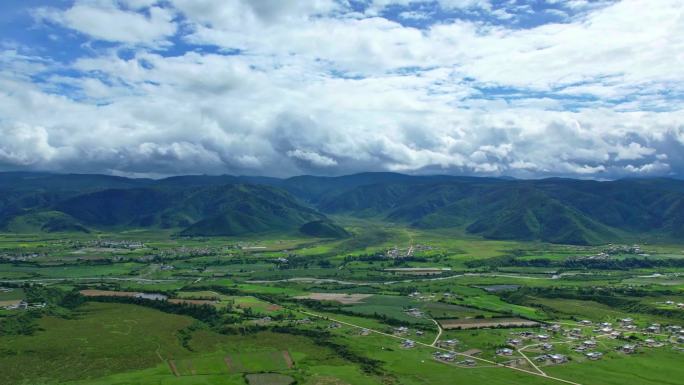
555 343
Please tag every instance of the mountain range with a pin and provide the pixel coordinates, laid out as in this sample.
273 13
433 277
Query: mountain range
551 210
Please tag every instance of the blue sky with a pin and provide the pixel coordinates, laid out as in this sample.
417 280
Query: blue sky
526 88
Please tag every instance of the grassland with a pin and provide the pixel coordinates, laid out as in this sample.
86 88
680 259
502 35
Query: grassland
263 290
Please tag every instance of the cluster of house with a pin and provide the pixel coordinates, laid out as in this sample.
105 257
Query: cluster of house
263 320
527 335
123 244
504 352
415 312
184 252
424 297
394 252
552 358
151 296
19 257
615 249
600 256
680 305
624 249
23 305
676 333
451 357
250 246
408 344
587 348
625 324
444 356
403 330
447 344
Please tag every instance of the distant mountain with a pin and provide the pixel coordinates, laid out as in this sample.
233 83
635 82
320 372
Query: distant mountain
213 210
198 209
553 210
42 182
243 209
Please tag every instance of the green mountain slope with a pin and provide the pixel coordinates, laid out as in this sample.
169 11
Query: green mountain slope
323 229
44 221
245 209
202 211
553 210
528 214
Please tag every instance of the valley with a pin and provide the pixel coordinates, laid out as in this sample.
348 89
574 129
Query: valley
345 311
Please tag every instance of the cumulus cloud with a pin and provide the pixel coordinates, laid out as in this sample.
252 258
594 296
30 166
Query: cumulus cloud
23 145
290 87
105 20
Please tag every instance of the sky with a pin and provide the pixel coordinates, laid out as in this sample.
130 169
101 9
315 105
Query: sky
521 88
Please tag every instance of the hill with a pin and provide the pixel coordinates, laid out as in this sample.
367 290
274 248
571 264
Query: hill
553 210
199 211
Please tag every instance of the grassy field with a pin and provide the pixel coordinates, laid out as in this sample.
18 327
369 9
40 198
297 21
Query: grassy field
117 344
391 306
656 367
101 339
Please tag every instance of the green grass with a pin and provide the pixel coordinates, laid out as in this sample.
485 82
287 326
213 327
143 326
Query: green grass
116 344
269 379
594 311
651 367
12 295
70 271
445 310
391 306
102 339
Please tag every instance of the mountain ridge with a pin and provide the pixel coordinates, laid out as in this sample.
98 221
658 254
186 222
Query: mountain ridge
560 210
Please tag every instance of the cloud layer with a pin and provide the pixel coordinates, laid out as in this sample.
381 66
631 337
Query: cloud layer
285 87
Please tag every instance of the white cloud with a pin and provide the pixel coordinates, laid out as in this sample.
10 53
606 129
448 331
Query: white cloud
657 168
105 20
319 89
24 145
633 151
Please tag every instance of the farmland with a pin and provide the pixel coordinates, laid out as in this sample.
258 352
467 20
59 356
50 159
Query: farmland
486 323
279 309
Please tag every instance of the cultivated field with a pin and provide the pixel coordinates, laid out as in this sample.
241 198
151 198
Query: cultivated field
364 308
346 299
485 323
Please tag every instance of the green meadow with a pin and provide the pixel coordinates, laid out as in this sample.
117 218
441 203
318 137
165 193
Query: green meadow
259 329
